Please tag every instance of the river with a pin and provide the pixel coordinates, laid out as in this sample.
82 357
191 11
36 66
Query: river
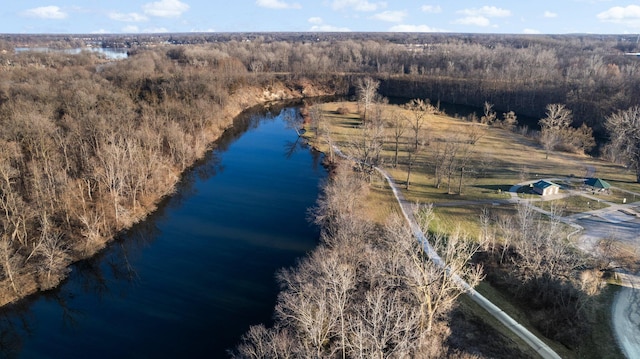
192 278
109 53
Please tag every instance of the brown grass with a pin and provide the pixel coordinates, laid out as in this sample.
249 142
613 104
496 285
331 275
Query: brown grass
571 205
508 159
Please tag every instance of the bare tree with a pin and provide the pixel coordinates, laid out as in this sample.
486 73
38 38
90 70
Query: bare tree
467 148
553 127
473 132
327 138
509 120
549 139
307 309
367 90
489 116
413 151
435 287
439 154
341 196
398 124
624 131
581 139
11 260
419 110
557 117
51 248
368 144
262 343
316 117
382 326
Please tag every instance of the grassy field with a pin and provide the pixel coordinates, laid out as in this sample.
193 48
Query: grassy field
501 159
572 205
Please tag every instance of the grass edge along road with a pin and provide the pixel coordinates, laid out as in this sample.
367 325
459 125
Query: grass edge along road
492 189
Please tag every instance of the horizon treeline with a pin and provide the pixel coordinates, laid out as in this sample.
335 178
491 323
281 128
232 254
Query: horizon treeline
89 145
590 74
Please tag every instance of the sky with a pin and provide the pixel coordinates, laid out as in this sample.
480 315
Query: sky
460 16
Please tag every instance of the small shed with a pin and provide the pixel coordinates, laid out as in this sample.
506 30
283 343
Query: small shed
597 183
545 188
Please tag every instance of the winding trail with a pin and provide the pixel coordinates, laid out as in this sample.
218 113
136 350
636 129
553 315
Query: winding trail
534 342
621 222
626 322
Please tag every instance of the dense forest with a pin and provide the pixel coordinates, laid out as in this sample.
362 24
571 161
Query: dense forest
90 145
520 73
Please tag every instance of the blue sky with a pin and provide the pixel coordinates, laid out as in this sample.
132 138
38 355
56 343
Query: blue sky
467 16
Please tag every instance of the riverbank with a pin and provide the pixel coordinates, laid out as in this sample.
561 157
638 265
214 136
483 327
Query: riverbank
462 204
242 99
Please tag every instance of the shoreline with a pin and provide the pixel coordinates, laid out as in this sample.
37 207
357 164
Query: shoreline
244 99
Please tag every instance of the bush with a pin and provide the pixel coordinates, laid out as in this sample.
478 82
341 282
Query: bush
342 111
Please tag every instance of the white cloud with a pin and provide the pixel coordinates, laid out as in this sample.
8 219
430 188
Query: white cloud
480 16
390 16
430 9
629 15
487 11
414 28
473 20
358 5
550 14
531 31
165 8
319 25
46 12
130 29
130 17
277 4
100 31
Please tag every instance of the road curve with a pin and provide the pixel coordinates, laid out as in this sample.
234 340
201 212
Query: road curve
626 313
534 342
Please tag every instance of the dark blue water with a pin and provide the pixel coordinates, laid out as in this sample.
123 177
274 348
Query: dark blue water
189 281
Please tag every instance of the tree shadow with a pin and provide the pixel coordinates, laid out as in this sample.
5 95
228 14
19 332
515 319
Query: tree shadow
494 188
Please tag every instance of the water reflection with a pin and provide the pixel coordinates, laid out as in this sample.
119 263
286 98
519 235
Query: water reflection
189 280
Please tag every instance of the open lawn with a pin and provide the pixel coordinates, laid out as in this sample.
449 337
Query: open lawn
571 205
498 160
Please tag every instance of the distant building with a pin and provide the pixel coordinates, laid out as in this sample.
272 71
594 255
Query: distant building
545 188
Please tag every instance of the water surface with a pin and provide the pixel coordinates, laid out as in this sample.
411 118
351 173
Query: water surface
109 53
192 278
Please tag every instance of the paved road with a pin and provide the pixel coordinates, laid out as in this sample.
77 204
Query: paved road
534 342
626 320
616 222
